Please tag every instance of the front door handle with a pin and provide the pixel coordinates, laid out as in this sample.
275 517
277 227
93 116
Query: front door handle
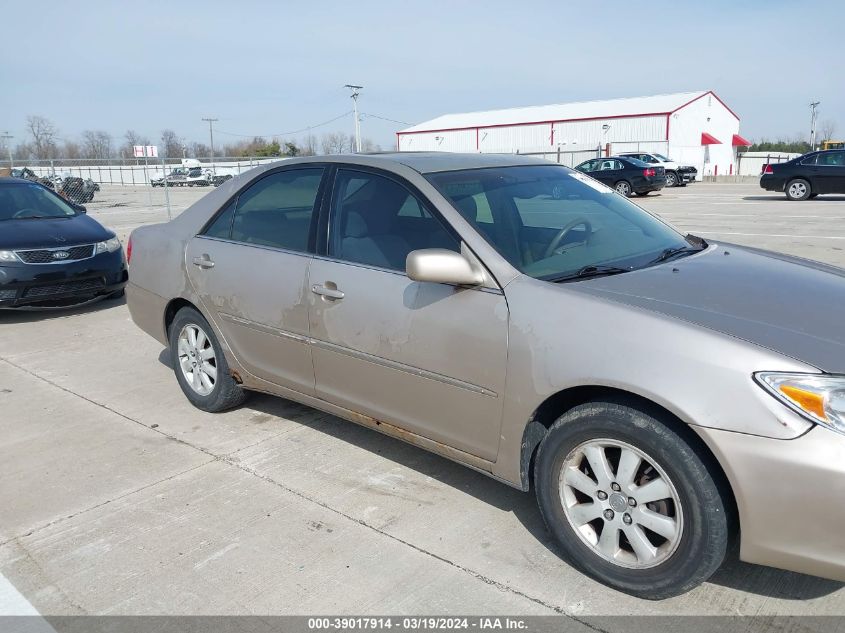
329 293
203 262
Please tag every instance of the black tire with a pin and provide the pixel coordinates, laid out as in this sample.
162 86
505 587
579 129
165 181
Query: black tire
623 187
798 189
672 179
226 393
642 194
812 195
117 294
706 512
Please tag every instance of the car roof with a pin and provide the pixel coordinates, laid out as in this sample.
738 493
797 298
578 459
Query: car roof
429 162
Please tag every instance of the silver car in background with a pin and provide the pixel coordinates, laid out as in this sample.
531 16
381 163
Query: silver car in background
661 394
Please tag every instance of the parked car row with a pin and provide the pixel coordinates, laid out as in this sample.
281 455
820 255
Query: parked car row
190 177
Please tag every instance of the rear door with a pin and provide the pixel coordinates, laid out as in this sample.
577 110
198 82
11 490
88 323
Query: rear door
608 171
250 270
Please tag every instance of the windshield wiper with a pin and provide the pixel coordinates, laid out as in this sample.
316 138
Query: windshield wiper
591 271
695 245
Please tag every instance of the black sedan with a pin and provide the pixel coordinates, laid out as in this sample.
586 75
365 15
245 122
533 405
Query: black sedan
807 176
626 175
51 253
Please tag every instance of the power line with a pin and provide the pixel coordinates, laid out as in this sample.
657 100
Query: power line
384 118
305 129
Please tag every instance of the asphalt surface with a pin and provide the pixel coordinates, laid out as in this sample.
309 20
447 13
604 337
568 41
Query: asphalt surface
118 497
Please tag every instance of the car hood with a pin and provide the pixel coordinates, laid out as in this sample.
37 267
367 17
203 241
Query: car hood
787 304
49 232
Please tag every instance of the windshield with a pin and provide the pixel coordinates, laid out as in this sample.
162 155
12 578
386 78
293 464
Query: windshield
550 221
23 200
663 158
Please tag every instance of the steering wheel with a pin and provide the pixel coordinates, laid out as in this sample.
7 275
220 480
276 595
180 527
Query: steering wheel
555 243
22 213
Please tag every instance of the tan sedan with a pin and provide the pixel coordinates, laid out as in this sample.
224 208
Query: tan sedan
663 395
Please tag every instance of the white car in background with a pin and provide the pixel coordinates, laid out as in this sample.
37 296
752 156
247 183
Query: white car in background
677 175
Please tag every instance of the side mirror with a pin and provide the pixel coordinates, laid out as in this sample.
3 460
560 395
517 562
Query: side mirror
80 208
441 266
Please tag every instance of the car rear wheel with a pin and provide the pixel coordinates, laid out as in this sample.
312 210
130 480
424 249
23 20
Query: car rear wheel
671 179
200 366
623 187
798 189
630 502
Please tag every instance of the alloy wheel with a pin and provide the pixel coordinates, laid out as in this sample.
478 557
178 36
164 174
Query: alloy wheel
624 188
797 190
621 503
197 359
670 180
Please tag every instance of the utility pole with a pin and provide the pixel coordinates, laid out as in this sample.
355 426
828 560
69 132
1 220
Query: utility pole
354 96
211 136
813 115
7 138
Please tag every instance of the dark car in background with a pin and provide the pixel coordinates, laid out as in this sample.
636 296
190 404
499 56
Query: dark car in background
51 253
677 175
626 175
807 176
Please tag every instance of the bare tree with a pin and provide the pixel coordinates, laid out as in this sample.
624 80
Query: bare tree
43 134
171 144
199 150
827 129
308 146
334 143
132 139
96 144
71 149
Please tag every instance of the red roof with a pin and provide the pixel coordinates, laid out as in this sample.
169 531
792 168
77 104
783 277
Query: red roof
738 141
706 139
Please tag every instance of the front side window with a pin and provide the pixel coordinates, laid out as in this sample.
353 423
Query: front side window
587 167
30 200
550 222
277 210
377 221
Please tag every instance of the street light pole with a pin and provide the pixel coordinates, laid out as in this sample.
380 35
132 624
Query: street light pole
813 115
354 95
211 137
8 137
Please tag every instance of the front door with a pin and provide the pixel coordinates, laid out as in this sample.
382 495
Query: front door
429 358
250 269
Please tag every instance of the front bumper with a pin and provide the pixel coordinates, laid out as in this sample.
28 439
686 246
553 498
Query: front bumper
790 498
62 284
687 177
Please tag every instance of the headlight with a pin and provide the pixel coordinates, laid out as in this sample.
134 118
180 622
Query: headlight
819 397
8 256
109 246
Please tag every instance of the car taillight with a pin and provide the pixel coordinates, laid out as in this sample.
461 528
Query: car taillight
649 172
129 250
767 169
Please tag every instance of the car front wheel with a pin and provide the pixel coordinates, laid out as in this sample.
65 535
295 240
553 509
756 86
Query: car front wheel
671 179
630 502
798 189
200 366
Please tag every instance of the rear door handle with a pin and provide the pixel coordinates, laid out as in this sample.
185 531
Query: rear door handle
330 293
203 262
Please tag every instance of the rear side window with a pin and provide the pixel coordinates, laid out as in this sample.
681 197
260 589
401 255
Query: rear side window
277 210
810 160
832 159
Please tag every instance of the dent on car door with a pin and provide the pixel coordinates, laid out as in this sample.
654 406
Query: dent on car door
429 358
250 270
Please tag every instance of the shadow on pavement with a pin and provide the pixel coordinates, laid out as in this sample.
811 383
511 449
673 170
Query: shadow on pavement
755 579
28 315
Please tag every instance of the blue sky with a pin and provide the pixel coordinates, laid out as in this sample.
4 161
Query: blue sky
266 67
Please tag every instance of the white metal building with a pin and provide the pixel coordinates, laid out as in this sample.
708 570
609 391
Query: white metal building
694 128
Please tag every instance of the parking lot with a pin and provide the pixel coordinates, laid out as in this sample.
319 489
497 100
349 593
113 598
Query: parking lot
118 497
